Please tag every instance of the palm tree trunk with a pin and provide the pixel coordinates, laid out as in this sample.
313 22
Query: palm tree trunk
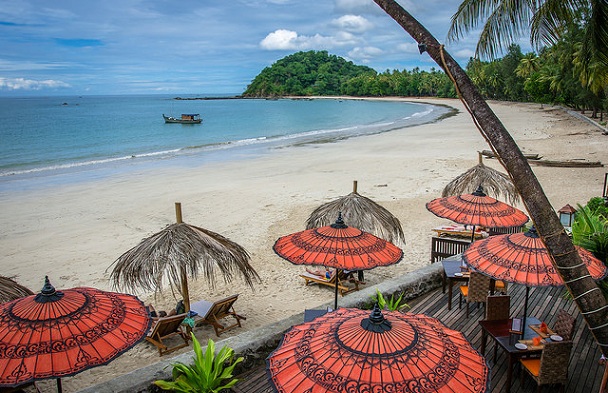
583 288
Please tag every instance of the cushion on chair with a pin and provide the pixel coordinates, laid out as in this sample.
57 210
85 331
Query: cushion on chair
464 290
533 365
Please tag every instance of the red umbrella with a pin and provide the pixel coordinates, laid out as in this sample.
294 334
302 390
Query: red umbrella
55 334
477 209
338 246
522 258
350 350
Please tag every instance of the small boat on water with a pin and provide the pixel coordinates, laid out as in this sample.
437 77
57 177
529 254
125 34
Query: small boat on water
187 118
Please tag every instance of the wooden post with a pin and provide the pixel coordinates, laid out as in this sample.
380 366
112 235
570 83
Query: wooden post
354 186
185 294
178 212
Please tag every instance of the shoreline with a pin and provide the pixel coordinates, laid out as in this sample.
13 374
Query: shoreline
196 152
74 232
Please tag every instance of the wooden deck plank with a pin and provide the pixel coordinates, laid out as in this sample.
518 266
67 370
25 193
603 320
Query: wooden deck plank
585 373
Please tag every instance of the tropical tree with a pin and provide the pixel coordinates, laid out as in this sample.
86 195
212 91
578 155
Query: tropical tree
545 20
588 297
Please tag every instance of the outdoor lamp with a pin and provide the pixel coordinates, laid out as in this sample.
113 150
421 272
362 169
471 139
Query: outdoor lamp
566 215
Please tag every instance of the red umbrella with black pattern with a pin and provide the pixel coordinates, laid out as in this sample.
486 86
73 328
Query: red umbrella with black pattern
55 334
349 350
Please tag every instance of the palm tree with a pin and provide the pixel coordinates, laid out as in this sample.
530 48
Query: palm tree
584 290
545 20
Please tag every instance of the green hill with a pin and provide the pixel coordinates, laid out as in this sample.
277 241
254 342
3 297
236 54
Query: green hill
305 73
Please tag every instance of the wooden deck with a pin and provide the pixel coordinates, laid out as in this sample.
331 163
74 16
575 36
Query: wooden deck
585 374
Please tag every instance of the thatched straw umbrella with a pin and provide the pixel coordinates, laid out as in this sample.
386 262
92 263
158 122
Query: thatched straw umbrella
359 212
493 182
11 290
177 252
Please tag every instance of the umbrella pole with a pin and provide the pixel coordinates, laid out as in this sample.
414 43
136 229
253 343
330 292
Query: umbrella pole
336 294
59 387
523 329
473 235
185 294
354 186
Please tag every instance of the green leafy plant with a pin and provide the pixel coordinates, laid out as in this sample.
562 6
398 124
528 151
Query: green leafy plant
209 373
391 304
590 231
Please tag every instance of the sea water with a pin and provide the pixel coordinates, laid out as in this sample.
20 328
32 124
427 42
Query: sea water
48 140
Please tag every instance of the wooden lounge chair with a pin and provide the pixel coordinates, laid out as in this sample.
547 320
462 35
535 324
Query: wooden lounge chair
211 313
342 278
167 327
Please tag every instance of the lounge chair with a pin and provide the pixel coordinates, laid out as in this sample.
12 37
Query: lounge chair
211 313
342 277
167 327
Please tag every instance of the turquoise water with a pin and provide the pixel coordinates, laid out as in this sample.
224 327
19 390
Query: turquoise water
49 138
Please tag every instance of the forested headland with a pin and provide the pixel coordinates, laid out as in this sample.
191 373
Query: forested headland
552 76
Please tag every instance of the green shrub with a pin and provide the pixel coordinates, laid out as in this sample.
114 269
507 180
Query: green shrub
209 373
391 304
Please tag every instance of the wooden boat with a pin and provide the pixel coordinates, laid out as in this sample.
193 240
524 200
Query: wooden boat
490 154
187 118
569 163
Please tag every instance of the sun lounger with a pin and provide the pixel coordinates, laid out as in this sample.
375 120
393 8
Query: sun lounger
211 313
342 277
164 328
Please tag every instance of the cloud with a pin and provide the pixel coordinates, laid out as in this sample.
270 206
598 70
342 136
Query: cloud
353 23
357 7
78 42
30 84
364 54
283 39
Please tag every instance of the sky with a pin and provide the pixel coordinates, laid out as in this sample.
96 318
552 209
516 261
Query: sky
204 47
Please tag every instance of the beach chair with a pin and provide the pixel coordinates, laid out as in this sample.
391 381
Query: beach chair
342 278
165 328
211 313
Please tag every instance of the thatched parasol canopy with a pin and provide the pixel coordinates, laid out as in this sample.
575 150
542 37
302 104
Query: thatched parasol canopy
359 212
177 252
493 182
11 290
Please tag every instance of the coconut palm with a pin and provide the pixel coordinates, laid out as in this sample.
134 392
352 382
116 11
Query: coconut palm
492 181
177 252
585 292
11 290
545 20
359 212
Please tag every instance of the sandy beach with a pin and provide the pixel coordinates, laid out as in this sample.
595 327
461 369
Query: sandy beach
73 233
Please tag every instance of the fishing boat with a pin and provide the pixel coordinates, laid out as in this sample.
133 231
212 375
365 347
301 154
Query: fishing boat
187 118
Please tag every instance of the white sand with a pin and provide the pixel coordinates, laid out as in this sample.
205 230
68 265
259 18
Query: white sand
73 233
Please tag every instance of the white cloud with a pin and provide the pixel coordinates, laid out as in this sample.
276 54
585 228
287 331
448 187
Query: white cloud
464 54
364 53
353 23
408 47
30 84
283 39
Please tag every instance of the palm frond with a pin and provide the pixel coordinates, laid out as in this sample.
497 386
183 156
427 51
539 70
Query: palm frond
11 290
359 212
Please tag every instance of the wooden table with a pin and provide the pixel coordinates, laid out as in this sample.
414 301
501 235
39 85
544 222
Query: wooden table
452 272
499 331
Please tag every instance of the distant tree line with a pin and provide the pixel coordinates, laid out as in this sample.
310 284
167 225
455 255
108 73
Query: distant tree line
555 75
317 73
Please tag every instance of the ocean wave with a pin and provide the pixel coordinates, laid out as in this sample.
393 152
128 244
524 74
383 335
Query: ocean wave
73 165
